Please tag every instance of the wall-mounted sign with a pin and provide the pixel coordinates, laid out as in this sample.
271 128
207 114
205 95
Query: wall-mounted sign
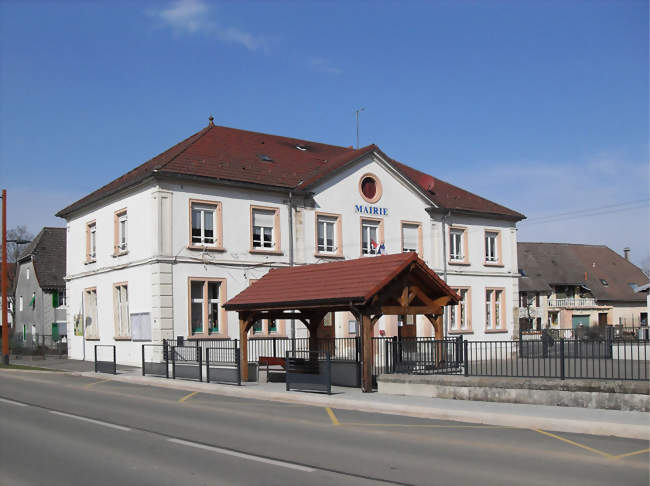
370 210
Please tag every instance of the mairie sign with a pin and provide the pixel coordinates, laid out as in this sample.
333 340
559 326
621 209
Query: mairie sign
370 210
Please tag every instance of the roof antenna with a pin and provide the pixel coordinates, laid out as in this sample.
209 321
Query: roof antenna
357 112
211 118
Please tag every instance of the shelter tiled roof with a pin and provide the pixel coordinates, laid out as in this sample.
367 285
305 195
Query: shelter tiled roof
47 251
351 281
227 154
548 264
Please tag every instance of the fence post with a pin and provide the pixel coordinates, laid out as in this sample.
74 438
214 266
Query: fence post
114 359
143 360
562 358
207 365
166 356
200 358
95 358
386 365
459 349
274 348
173 362
238 361
465 358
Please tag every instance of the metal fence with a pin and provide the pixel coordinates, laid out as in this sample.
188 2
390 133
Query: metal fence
223 365
38 345
309 371
187 362
562 358
424 356
155 360
105 361
611 333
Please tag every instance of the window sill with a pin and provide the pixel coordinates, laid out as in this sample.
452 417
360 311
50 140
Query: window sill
90 262
265 252
205 248
215 335
120 253
459 262
462 331
122 338
495 331
493 264
92 338
329 255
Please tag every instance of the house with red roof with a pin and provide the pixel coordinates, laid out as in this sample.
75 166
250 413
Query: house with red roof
155 253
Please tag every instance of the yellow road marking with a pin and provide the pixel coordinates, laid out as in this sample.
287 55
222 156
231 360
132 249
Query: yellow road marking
189 395
587 448
635 453
96 383
357 424
333 418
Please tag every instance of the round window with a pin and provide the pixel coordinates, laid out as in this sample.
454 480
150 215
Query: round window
370 188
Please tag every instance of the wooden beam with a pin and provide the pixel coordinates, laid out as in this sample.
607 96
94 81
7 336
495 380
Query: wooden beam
366 343
436 322
395 310
437 302
244 326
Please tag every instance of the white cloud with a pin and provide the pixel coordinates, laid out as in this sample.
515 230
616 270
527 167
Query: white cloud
323 66
196 17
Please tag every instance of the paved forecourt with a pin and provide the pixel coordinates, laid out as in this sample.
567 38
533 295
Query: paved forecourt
91 429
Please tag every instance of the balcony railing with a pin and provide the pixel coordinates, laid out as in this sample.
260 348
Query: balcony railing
572 303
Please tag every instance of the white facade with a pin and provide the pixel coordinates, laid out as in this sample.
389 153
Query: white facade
160 262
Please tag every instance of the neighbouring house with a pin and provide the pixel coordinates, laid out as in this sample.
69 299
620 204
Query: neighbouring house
40 309
566 286
11 274
156 253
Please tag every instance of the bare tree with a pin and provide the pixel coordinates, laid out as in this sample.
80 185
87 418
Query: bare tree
19 233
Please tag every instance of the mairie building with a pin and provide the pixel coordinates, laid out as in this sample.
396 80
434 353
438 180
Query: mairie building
156 253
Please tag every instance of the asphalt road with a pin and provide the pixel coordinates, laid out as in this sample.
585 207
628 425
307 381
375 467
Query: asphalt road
62 429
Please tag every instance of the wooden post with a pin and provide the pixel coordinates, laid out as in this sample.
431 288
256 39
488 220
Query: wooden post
366 343
439 335
243 349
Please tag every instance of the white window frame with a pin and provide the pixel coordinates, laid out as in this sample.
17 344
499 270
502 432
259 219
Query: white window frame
459 319
491 247
122 231
92 250
418 231
322 223
121 309
20 303
456 244
367 225
206 302
269 240
90 331
204 209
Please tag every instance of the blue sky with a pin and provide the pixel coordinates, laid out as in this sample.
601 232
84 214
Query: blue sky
540 106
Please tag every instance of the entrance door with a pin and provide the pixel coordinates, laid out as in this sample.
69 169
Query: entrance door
578 321
602 319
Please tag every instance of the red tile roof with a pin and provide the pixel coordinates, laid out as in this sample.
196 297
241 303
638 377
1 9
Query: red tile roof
229 154
337 283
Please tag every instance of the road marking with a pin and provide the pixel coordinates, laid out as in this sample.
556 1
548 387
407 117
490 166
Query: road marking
241 455
189 395
3 400
92 421
434 426
333 418
629 454
587 448
96 383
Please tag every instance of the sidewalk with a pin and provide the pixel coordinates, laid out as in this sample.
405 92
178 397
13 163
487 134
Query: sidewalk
632 425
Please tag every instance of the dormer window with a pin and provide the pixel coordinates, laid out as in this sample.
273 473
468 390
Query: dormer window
604 282
301 147
264 158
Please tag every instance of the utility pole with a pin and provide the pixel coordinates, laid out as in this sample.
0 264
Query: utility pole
357 112
5 323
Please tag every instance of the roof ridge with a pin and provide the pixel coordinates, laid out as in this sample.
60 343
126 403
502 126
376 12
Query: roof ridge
282 136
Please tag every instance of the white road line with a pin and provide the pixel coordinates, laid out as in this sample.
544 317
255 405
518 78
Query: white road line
241 455
92 421
13 403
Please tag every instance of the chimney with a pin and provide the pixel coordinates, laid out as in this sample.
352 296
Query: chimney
626 252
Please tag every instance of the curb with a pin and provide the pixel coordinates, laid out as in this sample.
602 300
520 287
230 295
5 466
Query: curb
627 431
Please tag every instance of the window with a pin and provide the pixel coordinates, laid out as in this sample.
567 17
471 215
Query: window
494 310
457 244
206 306
27 273
273 325
492 247
371 236
205 224
265 226
328 319
412 237
258 326
370 188
91 242
91 329
410 320
20 303
120 232
121 310
58 298
459 315
328 234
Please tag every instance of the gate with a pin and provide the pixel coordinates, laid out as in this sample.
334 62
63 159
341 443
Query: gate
223 365
305 372
105 359
187 362
155 360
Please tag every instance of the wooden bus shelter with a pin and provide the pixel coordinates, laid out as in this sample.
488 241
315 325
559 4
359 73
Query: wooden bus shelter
369 288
